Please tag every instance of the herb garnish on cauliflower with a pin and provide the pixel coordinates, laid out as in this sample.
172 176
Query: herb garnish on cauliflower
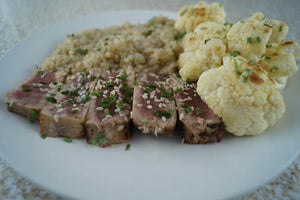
243 95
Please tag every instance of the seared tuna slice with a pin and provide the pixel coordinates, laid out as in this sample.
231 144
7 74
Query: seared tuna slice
109 114
199 121
153 106
29 97
66 112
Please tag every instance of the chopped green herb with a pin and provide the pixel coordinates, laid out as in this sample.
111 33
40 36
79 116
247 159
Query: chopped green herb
178 75
127 147
188 109
249 71
51 99
148 90
120 105
59 89
107 112
205 41
183 12
166 94
67 140
99 49
109 84
144 121
218 32
81 51
43 136
94 142
26 88
97 93
151 85
188 81
274 68
93 78
268 25
228 24
123 77
268 58
33 115
263 55
71 101
234 53
179 35
177 90
249 40
203 28
258 40
149 32
198 112
245 78
242 21
66 92
40 73
102 139
269 45
74 110
236 65
253 62
280 29
100 77
135 83
127 91
163 113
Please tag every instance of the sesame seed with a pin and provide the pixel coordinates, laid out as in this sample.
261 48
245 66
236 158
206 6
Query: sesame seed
139 105
60 110
148 101
145 96
181 116
99 108
149 107
121 127
164 118
56 118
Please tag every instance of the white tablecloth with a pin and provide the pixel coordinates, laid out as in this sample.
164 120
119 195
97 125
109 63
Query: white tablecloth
20 18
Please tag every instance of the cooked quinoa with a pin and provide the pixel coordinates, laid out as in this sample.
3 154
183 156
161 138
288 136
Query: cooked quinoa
153 46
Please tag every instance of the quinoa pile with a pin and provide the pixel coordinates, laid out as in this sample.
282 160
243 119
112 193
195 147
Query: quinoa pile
150 47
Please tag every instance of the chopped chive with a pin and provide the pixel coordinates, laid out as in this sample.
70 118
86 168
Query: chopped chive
245 78
203 28
26 88
205 41
123 77
149 32
274 68
81 51
178 75
188 81
102 139
218 32
135 83
269 45
33 115
163 113
268 25
177 90
43 136
97 94
258 40
127 147
94 142
280 29
74 111
109 84
66 92
253 62
100 77
51 99
67 140
249 40
234 53
228 24
93 78
236 65
120 105
249 71
147 90
166 94
40 73
198 111
188 109
268 58
183 12
179 35
144 121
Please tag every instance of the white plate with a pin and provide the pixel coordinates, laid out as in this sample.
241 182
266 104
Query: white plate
153 168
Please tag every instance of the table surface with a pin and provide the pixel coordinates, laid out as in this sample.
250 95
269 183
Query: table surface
19 19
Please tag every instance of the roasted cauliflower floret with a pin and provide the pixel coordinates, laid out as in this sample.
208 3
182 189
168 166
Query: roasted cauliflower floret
249 37
243 95
279 30
209 55
190 16
280 61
